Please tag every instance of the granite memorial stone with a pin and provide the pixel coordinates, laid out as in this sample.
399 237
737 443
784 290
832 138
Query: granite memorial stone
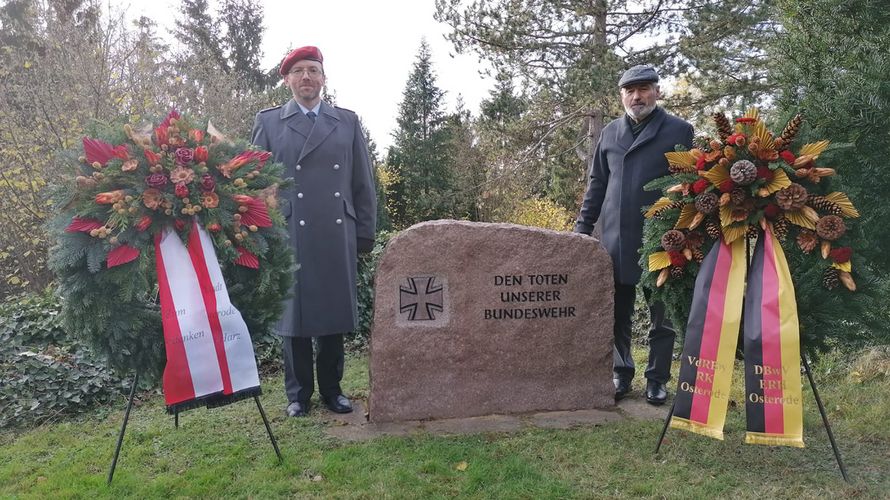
476 319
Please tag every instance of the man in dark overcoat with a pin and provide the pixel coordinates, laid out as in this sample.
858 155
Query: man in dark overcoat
331 216
630 153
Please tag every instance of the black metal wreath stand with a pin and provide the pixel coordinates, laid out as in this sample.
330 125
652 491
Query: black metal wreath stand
120 436
806 367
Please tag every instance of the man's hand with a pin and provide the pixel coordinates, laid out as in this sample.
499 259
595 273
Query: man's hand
365 245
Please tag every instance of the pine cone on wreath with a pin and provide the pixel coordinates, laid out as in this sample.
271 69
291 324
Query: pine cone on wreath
707 203
738 196
807 240
822 204
752 232
698 255
830 227
780 228
831 278
743 172
701 142
790 131
694 239
724 129
676 272
793 197
713 230
673 241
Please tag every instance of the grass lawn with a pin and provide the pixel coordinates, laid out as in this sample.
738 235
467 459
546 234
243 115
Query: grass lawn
226 453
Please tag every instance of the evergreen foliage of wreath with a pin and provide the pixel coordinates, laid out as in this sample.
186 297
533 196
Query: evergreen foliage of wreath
735 186
131 185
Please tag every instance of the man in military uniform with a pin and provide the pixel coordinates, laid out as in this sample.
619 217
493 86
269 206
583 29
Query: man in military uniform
630 153
331 216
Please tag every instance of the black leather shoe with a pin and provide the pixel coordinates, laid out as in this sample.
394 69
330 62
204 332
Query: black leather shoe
622 387
656 392
297 409
338 404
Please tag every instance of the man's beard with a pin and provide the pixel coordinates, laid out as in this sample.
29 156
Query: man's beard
642 113
309 95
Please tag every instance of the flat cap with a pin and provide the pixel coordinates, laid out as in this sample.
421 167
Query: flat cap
638 74
308 53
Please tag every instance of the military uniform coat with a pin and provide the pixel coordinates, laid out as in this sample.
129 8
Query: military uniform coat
332 203
619 169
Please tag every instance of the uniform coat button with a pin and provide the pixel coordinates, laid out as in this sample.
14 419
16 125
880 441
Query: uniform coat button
299 167
336 166
299 195
302 223
337 194
339 221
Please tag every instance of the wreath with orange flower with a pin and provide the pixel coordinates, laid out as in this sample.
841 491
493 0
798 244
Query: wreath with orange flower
736 185
130 185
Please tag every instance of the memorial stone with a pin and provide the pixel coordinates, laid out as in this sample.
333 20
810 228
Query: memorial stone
476 319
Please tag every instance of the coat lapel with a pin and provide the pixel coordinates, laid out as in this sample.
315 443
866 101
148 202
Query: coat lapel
650 131
325 123
295 119
625 137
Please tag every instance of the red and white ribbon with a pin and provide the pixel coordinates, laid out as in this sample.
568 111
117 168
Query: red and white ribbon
209 351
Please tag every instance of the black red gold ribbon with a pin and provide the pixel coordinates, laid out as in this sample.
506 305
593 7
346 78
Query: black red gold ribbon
772 345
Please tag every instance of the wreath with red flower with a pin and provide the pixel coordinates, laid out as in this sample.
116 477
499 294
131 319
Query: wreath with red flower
742 182
132 184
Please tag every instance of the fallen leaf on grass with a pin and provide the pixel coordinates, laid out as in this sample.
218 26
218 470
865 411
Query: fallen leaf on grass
462 465
312 476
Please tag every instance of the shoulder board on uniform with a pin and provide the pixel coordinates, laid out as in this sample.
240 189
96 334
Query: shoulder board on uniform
270 109
344 109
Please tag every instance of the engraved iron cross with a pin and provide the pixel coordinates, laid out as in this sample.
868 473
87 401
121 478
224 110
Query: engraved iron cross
421 298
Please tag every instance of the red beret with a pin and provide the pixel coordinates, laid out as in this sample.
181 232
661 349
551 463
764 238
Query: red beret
308 52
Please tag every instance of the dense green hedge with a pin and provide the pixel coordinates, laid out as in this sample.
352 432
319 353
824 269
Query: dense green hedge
367 266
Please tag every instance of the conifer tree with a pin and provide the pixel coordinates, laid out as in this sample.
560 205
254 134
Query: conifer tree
502 108
466 162
420 153
834 69
218 64
231 40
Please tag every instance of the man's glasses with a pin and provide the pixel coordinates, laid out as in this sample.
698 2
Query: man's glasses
313 71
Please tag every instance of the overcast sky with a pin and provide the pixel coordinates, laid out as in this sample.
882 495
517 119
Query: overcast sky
369 47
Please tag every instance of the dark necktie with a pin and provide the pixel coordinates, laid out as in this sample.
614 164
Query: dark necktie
311 115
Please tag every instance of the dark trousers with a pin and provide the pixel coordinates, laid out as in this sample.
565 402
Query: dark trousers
298 381
661 337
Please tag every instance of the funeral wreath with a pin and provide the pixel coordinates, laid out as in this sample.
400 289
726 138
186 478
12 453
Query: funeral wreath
130 185
743 182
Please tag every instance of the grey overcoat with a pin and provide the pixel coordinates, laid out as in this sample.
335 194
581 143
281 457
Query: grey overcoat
333 202
619 169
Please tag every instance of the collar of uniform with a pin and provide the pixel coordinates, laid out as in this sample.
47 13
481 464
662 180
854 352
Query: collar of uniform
314 109
328 110
290 109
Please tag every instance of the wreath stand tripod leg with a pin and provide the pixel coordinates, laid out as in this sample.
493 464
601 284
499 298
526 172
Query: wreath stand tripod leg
120 436
664 429
268 428
837 452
